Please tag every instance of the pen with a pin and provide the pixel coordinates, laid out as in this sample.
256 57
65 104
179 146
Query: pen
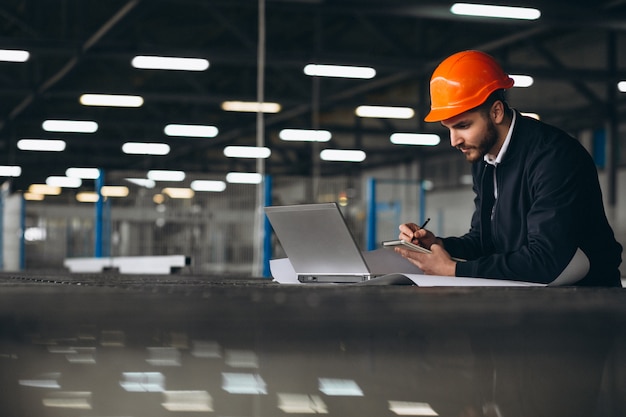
425 223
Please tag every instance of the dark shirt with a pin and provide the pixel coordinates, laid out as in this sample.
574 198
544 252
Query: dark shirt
549 204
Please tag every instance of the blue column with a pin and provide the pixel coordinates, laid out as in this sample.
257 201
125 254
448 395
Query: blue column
370 227
267 228
22 231
99 216
422 213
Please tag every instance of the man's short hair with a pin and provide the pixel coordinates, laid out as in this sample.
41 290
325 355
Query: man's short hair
493 97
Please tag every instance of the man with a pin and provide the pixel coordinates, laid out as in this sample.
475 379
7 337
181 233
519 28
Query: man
539 215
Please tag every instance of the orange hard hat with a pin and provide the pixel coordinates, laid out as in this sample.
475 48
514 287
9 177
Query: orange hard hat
464 81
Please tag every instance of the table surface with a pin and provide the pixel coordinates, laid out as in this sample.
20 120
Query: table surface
129 345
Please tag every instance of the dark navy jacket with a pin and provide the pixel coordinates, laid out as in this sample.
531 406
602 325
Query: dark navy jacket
549 205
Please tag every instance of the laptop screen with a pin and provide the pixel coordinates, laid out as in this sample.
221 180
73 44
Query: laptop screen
316 239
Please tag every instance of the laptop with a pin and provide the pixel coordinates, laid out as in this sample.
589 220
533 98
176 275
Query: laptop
318 243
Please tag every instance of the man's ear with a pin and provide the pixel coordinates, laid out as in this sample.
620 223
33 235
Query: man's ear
497 112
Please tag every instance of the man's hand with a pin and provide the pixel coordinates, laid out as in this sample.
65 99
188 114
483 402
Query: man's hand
436 263
411 232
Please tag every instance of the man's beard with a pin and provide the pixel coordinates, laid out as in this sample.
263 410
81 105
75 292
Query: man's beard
478 152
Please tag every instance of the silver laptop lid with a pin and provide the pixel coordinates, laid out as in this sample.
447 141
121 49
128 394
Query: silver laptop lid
317 240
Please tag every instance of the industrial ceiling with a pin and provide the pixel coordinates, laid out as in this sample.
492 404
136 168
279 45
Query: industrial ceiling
576 52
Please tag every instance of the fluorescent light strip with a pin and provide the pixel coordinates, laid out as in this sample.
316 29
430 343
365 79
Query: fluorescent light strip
303 135
111 100
244 178
114 191
43 145
342 155
301 404
208 185
182 193
32 197
251 107
170 63
522 80
192 131
189 401
621 86
142 182
258 152
340 387
165 175
84 173
14 55
44 189
71 126
423 139
385 112
240 383
341 71
406 408
87 197
503 12
63 182
10 171
141 148
533 115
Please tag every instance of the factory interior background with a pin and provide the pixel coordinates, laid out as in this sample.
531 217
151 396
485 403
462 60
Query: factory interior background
184 121
156 128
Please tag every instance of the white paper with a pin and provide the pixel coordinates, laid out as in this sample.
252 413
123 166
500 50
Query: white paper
386 261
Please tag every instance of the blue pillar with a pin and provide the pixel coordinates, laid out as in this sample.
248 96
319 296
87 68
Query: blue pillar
422 213
22 231
370 240
99 216
267 228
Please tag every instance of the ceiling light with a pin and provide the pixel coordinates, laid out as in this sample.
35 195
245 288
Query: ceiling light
111 100
340 387
174 192
505 12
44 145
140 148
64 182
170 63
303 135
251 106
142 182
522 80
189 401
72 126
114 191
236 383
301 404
32 196
208 185
44 189
8 55
385 112
533 115
192 131
87 197
84 173
258 152
244 178
10 171
406 408
621 86
342 155
423 139
143 381
341 71
165 175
